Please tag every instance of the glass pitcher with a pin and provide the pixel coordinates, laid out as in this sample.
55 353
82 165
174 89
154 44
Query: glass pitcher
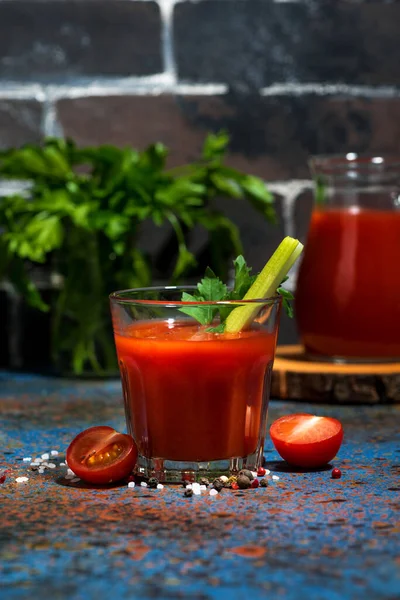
348 291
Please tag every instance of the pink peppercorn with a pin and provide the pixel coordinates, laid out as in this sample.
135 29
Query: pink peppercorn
336 474
260 472
255 483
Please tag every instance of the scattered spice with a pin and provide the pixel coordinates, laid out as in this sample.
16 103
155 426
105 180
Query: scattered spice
264 482
188 492
246 473
204 481
3 477
231 480
336 473
243 482
218 484
153 483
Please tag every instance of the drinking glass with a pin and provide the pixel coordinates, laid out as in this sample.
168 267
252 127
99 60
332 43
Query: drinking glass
348 290
195 401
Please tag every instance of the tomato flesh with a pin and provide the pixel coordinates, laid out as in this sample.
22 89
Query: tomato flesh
305 440
101 455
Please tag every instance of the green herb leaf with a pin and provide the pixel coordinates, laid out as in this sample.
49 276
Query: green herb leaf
218 329
202 314
287 297
243 278
211 287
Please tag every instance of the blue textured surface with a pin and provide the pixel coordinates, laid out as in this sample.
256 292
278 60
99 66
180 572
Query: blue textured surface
305 536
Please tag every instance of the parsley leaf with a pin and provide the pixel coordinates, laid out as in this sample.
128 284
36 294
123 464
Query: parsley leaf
287 297
211 287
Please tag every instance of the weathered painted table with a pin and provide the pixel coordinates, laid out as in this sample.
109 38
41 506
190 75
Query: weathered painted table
305 536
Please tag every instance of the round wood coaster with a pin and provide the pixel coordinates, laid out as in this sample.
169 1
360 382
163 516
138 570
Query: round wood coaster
295 377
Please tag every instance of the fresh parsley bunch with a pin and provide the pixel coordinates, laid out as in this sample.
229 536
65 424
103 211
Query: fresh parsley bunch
82 215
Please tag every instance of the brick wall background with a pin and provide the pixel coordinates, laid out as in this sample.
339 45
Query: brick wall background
286 78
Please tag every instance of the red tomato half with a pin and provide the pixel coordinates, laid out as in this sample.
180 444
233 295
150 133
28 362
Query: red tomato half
101 455
306 440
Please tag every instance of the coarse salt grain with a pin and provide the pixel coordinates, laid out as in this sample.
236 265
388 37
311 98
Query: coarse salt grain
51 465
213 492
275 477
63 464
224 479
267 471
46 456
189 486
196 489
160 486
203 487
254 473
41 470
75 480
34 464
54 452
27 459
70 474
22 479
131 484
143 484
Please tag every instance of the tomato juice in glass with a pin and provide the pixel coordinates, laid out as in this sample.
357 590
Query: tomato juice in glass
348 289
196 402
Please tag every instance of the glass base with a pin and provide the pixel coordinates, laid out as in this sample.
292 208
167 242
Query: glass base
171 471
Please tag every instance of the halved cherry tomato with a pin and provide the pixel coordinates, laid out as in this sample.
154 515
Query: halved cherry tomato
306 440
101 455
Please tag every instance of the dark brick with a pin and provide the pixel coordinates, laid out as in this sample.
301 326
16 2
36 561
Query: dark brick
270 136
20 122
259 237
257 43
53 40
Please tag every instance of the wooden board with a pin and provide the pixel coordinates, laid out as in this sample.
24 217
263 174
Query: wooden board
295 377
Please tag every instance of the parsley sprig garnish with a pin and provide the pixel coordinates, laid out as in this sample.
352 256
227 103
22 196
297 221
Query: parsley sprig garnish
212 289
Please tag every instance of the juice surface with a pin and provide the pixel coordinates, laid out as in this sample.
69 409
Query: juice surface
348 294
192 395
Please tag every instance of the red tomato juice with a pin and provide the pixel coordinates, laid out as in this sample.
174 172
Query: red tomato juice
192 395
348 294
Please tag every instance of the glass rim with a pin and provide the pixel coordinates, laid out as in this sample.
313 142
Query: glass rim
119 296
333 163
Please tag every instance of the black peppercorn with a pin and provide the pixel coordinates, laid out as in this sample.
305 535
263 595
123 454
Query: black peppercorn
204 481
247 473
153 483
188 492
243 482
218 484
264 482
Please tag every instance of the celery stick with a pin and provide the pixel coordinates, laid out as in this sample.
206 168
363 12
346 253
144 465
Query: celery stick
266 284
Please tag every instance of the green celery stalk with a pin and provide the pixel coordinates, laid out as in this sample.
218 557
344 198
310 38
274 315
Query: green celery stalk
266 284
